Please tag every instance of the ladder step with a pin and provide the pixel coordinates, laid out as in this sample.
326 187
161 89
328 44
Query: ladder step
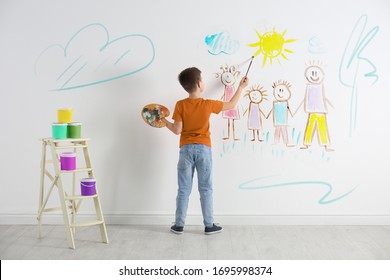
52 209
73 140
87 224
77 170
71 147
77 197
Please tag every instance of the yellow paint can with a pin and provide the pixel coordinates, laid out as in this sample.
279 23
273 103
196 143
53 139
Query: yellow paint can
65 115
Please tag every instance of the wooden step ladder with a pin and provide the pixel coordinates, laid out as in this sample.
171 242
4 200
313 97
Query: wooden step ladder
70 201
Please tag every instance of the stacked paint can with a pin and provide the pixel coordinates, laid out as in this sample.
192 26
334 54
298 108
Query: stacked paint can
65 115
88 186
74 130
65 127
59 130
68 161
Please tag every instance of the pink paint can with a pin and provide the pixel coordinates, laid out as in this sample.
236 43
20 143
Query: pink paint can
68 161
88 186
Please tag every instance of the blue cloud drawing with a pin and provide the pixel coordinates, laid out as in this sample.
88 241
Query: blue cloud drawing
221 43
316 46
90 57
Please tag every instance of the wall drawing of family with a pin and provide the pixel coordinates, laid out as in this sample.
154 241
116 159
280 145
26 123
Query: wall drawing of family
315 105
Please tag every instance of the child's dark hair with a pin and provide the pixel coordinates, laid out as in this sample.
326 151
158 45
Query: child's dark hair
189 78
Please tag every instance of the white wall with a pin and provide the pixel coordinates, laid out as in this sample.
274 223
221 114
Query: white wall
135 164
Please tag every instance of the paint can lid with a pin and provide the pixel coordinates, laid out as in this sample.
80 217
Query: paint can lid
85 180
68 154
59 124
74 124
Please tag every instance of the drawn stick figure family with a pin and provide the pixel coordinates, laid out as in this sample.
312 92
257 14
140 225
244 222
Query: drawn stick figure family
314 101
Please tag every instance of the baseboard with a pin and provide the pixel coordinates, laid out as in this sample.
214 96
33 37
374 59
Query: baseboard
165 219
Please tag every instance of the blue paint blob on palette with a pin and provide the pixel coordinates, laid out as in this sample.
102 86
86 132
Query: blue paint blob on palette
153 113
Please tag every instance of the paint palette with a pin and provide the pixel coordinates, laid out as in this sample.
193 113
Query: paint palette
153 113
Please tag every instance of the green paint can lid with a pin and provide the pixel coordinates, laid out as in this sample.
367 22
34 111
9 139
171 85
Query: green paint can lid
59 124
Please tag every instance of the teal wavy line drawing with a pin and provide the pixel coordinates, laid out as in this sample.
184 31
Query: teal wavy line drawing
74 74
79 66
121 57
69 67
43 53
352 59
298 138
323 200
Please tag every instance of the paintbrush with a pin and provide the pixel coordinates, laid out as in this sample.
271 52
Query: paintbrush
250 63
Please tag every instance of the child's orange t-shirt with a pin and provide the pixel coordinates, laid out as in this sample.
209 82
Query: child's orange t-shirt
195 115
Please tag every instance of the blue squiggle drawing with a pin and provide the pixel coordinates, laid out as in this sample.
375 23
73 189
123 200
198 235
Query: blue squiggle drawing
351 61
323 200
87 63
221 43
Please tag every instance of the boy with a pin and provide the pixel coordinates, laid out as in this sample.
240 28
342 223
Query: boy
191 121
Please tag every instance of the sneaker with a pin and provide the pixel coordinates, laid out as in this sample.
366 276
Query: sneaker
177 230
213 229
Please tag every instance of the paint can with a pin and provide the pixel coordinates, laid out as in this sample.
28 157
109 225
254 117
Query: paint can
65 115
88 186
68 161
59 130
74 130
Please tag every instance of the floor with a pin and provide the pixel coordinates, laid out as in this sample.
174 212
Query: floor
235 242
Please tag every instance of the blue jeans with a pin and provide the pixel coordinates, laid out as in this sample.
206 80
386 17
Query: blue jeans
194 156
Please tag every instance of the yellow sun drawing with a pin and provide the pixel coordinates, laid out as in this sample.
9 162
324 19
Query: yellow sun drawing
271 45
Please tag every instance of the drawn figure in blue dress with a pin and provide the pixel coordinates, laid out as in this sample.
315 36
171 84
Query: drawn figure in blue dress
228 78
256 95
280 111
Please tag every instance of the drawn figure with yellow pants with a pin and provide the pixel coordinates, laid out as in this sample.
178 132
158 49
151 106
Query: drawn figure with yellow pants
315 104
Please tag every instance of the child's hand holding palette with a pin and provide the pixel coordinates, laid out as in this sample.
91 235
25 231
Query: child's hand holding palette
153 113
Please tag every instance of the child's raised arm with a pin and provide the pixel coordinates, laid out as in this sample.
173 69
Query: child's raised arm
233 102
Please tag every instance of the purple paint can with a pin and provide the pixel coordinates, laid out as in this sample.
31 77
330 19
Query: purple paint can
68 161
88 186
